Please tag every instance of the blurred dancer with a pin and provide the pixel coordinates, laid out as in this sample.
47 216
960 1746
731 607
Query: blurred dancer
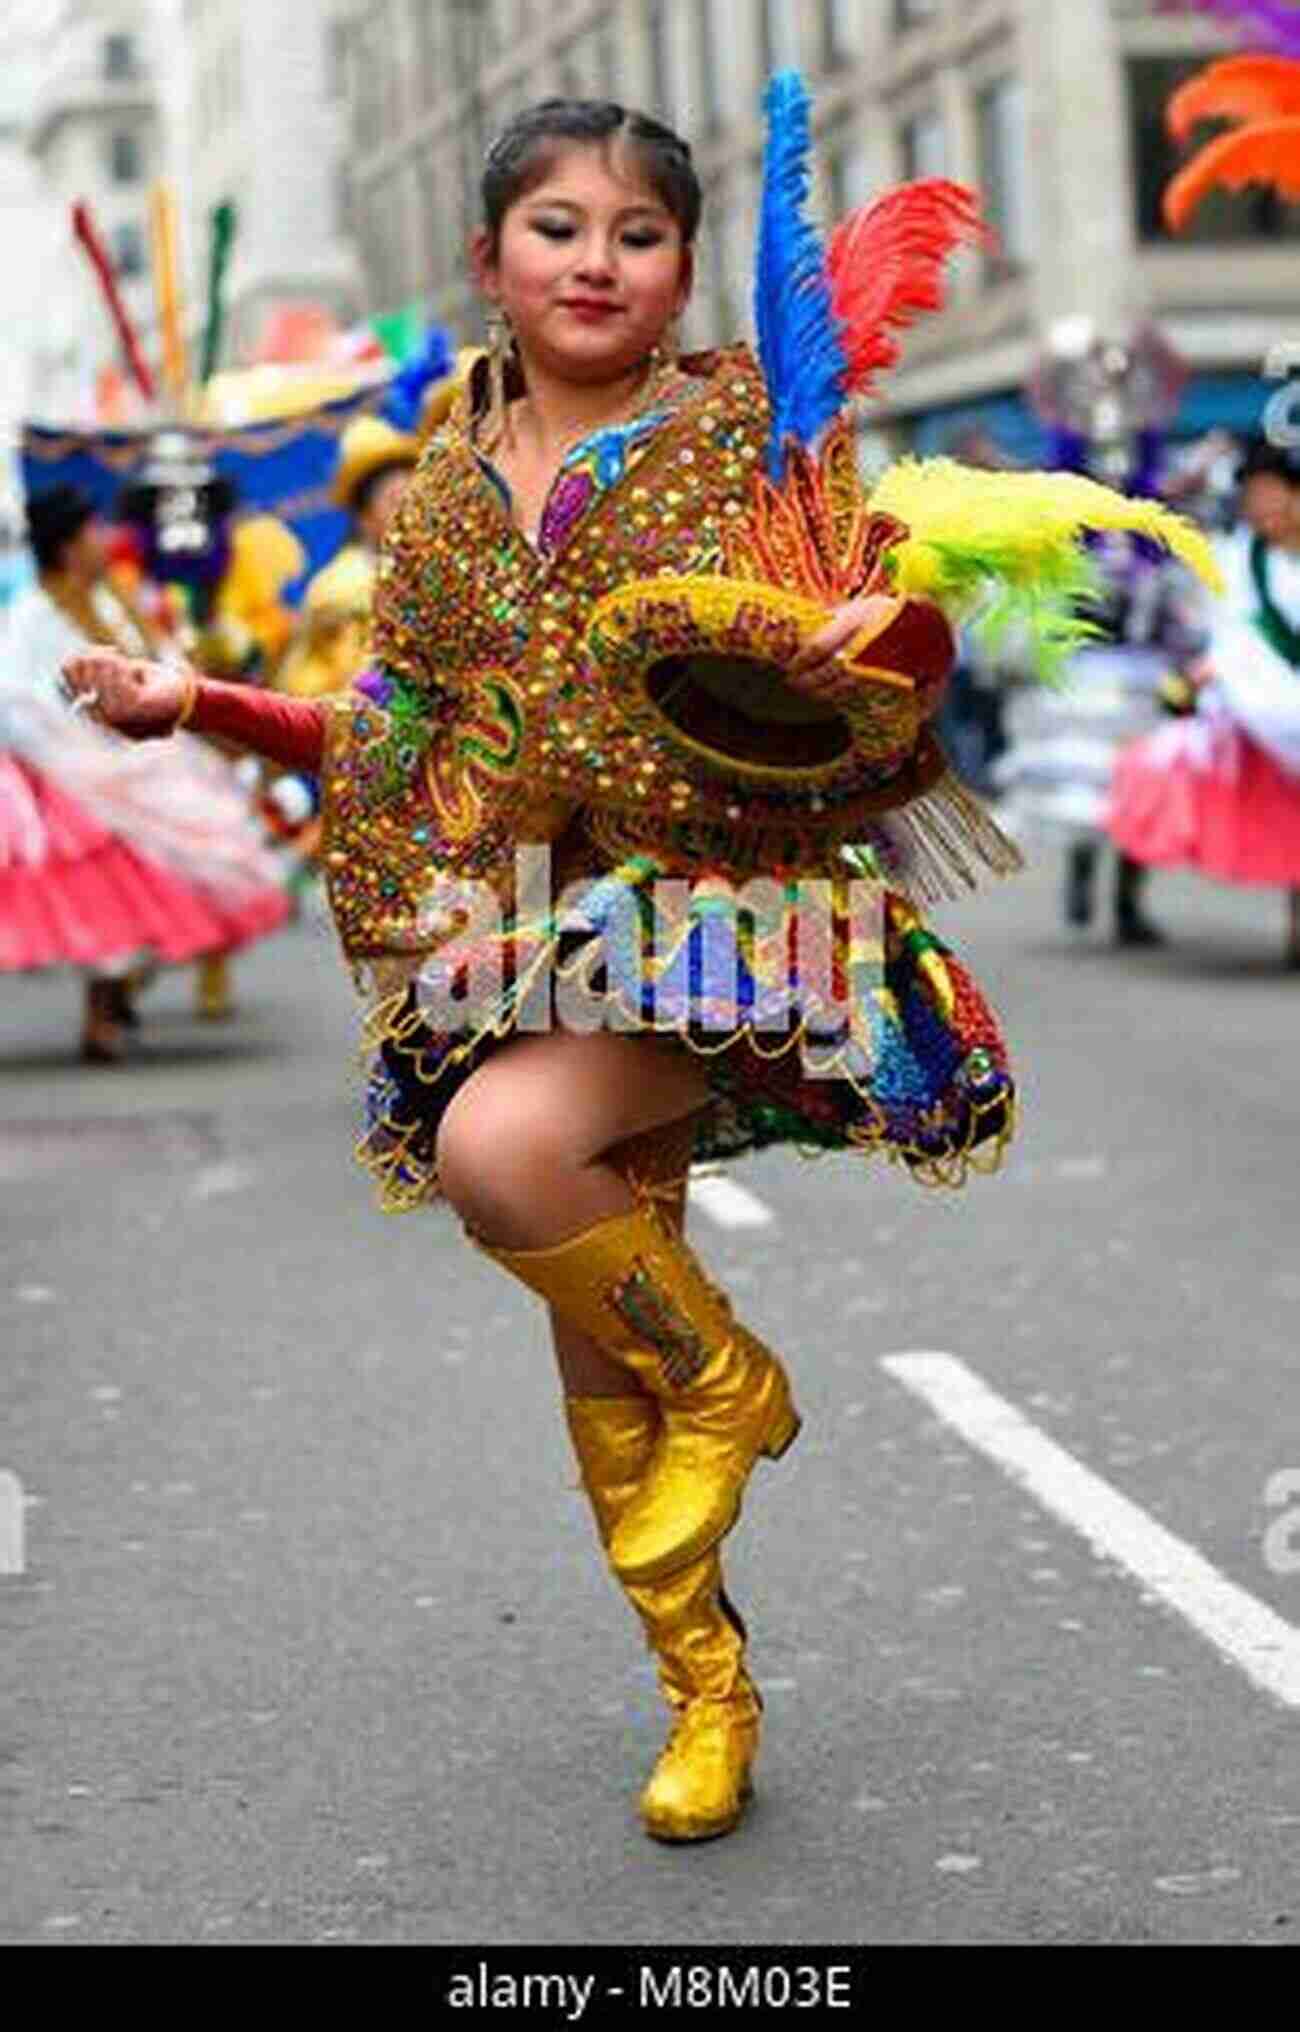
1220 792
218 578
375 466
109 856
1106 405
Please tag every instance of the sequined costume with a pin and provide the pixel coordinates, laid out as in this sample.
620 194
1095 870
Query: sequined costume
454 748
573 756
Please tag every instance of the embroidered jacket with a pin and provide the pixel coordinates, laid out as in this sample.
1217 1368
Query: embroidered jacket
444 757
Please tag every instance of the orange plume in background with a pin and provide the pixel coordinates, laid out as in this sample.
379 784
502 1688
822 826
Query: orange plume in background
1243 89
1268 153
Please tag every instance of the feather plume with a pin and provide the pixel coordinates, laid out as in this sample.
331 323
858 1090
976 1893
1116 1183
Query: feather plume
798 339
1237 88
1003 550
886 267
1268 153
406 391
1275 23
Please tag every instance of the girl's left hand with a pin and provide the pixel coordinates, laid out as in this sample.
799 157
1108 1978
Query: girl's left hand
811 667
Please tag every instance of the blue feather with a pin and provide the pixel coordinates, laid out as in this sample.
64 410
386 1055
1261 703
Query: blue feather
408 387
798 333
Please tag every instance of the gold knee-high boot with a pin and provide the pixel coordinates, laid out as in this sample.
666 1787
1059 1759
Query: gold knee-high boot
702 1781
635 1288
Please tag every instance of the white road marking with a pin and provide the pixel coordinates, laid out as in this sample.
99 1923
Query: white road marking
221 1181
727 1203
1243 1630
12 1548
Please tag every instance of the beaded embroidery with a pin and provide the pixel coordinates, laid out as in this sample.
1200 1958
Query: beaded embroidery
654 1319
475 733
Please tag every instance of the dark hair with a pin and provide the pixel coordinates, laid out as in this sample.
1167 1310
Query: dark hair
1266 461
370 484
520 157
53 519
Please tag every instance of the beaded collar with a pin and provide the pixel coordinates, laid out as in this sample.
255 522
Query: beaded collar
599 461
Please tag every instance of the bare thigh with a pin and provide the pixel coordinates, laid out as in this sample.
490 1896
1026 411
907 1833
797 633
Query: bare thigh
527 1149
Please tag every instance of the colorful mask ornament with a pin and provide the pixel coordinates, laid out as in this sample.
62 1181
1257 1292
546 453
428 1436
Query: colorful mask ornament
761 767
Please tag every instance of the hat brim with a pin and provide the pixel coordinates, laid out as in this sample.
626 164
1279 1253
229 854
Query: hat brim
701 664
352 476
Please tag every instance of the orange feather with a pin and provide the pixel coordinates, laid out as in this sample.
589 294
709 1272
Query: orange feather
1268 153
1238 88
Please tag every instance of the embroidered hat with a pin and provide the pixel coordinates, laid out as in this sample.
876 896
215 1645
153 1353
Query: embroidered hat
368 445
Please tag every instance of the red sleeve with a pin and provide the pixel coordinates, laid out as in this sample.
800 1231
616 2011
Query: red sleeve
286 730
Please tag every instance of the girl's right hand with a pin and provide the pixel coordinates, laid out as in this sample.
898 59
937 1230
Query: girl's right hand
142 700
1199 673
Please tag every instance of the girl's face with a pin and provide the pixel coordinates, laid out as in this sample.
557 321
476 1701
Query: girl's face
591 267
1270 507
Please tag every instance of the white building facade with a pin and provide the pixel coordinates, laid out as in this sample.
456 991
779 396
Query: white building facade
91 130
1053 107
254 94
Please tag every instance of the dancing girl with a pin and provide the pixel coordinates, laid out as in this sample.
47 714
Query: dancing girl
638 617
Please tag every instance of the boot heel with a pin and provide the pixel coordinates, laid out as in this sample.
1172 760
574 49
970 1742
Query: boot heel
783 1435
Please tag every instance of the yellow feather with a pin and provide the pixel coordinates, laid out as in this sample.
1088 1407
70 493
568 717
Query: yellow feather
1017 519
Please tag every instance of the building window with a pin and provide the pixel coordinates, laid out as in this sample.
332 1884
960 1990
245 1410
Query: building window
848 171
657 32
431 79
344 200
124 157
706 62
924 146
607 59
725 319
119 58
778 35
841 32
1224 217
336 58
1002 144
128 251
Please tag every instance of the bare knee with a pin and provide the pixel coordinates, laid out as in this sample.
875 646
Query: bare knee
497 1158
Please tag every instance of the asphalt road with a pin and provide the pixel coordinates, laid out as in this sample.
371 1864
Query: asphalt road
312 1641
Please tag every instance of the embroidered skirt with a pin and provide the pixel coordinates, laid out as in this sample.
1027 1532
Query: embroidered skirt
869 1044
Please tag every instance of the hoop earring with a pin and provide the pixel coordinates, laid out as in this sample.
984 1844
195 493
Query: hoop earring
501 342
667 346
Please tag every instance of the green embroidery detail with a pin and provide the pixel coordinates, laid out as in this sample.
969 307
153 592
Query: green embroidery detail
1271 621
413 721
654 1319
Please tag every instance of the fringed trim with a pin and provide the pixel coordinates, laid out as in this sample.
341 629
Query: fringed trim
980 1153
938 847
405 1181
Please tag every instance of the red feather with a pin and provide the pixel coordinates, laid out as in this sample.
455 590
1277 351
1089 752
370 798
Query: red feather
1267 154
87 232
1238 88
885 266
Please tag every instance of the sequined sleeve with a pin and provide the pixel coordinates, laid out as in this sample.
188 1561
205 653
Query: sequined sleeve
401 634
288 731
